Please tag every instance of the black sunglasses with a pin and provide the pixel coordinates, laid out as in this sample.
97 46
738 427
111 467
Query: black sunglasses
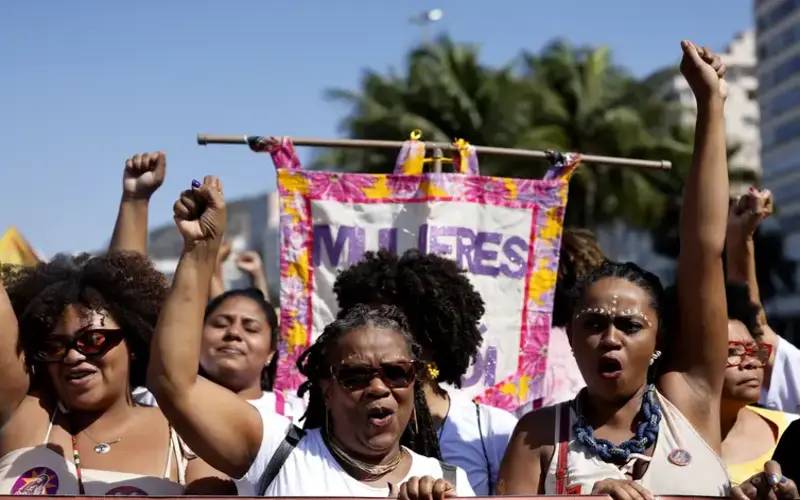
90 343
395 374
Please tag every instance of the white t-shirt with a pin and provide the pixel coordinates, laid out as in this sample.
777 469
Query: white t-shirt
784 383
311 470
460 440
281 403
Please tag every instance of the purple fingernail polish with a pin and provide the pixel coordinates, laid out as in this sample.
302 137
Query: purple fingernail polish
195 183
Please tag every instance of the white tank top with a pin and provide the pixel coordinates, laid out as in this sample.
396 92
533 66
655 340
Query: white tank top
677 441
41 470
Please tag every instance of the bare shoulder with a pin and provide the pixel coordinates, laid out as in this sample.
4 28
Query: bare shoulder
529 454
28 424
150 416
537 428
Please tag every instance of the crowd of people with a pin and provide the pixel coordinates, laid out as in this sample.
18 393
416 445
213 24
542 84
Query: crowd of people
116 382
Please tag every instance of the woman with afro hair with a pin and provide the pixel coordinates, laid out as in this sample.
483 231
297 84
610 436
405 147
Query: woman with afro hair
75 342
444 312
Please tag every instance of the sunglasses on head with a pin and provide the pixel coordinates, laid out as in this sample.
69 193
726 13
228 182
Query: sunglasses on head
92 343
758 351
394 374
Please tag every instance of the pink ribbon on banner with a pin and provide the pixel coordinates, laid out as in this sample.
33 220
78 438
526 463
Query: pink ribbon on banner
280 149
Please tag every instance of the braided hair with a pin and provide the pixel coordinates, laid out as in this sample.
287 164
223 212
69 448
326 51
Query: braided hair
442 307
254 294
315 364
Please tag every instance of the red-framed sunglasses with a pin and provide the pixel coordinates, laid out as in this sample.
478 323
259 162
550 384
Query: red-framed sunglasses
93 344
395 374
758 351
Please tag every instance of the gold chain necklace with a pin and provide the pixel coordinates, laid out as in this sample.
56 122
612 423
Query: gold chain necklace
371 471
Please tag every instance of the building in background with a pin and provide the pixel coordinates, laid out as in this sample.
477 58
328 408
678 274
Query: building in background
252 225
778 51
741 109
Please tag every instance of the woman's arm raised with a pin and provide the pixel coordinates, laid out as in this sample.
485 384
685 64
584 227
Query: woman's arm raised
220 427
694 369
15 382
143 175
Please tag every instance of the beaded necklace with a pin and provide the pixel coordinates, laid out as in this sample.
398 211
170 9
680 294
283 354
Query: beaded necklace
646 432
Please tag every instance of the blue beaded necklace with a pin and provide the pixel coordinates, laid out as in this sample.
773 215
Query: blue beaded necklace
646 432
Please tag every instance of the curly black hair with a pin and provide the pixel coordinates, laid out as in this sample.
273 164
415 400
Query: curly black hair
579 254
741 308
254 294
124 284
629 271
442 307
315 364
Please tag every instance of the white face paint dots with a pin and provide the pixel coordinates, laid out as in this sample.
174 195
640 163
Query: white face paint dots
612 312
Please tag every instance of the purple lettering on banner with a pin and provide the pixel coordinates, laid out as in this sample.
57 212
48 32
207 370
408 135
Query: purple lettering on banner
482 254
387 239
422 239
465 245
514 248
484 367
324 240
477 372
490 366
434 245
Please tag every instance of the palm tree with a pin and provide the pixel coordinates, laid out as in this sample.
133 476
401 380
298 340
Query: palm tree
582 102
445 92
564 98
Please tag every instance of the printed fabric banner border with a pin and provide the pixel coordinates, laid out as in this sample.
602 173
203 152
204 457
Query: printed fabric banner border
546 199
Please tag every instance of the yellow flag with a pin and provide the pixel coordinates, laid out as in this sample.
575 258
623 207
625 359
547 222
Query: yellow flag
15 250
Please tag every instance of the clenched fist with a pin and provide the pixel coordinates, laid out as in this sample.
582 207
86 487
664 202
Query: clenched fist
200 215
747 213
704 70
144 174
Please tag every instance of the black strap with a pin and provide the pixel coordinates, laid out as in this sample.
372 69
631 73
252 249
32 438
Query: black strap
293 436
485 453
449 473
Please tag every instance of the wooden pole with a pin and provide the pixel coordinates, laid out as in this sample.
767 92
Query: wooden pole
204 139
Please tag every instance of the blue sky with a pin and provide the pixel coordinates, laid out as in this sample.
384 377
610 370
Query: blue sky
85 84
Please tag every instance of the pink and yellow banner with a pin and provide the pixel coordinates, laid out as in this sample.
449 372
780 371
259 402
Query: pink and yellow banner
505 233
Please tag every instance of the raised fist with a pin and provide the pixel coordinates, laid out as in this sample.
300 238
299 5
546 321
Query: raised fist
704 70
144 174
249 262
199 213
749 211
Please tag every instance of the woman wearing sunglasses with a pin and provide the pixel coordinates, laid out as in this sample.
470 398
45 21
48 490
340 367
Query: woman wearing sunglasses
365 413
444 312
749 434
639 429
67 421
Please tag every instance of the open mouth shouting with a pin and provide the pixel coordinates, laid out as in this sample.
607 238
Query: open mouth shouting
609 367
380 416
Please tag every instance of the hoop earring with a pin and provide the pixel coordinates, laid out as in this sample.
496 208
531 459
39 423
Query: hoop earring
414 418
327 422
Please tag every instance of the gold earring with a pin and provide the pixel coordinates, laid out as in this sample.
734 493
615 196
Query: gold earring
414 416
432 370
